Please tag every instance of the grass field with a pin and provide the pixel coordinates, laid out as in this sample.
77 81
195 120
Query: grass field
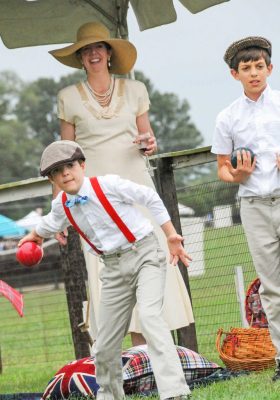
35 347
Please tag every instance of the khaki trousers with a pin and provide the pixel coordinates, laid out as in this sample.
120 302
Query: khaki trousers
127 277
261 221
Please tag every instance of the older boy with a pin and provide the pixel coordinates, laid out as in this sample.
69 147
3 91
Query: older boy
102 211
253 121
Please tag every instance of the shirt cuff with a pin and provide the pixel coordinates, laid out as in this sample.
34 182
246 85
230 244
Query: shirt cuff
162 217
43 233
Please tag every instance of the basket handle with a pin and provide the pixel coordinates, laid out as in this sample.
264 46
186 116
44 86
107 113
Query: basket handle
218 340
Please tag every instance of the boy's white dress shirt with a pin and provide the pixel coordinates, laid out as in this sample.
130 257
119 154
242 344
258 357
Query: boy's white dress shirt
96 223
253 124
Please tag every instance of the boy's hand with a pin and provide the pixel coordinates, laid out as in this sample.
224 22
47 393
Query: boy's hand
245 166
177 251
31 237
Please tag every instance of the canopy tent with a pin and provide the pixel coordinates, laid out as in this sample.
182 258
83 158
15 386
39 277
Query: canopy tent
9 228
38 22
30 220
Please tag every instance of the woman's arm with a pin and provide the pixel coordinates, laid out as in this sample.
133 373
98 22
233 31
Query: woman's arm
143 125
67 130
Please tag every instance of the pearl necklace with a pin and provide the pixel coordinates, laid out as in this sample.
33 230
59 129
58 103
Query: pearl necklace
102 98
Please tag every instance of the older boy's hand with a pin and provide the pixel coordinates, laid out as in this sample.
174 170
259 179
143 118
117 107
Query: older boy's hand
177 251
31 237
245 166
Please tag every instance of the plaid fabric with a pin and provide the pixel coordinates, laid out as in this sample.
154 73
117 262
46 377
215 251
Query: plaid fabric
136 362
79 376
255 314
138 374
13 296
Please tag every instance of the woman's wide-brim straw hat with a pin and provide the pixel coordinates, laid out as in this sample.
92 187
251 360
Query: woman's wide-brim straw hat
123 52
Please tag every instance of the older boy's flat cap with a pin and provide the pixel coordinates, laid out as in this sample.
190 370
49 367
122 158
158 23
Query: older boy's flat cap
250 41
59 153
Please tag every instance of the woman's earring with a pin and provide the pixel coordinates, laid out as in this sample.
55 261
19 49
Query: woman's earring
109 63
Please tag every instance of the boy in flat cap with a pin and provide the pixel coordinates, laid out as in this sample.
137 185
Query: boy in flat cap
102 211
253 121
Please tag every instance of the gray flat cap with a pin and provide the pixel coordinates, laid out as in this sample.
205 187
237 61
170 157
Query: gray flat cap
59 153
250 41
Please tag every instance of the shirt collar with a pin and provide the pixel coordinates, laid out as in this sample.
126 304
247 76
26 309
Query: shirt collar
263 97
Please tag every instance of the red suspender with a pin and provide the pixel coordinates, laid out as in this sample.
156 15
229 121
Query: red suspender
75 226
108 208
111 211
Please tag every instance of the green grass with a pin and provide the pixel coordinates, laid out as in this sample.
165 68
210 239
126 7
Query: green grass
34 347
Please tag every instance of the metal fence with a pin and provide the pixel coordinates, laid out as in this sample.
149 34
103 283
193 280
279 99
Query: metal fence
213 235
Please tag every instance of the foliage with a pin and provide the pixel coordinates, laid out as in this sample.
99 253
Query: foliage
170 120
37 106
19 152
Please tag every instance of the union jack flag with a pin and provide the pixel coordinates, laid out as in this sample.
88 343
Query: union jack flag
77 377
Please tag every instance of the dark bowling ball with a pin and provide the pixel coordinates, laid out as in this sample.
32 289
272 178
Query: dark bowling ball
234 155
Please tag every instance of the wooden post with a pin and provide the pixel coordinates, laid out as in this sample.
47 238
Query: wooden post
165 184
73 265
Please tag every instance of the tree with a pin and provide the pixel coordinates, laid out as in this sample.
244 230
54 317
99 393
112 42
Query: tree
37 106
170 120
19 153
10 87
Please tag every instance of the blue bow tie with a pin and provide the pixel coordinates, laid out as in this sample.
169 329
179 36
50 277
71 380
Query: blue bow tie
76 200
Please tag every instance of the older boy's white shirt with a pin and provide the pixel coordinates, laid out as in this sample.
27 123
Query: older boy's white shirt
94 221
256 125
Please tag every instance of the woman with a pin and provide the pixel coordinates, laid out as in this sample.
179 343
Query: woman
106 116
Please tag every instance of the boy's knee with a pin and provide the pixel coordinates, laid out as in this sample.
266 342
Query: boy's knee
149 318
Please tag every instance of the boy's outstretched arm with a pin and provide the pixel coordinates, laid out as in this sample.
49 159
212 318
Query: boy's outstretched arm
175 245
31 237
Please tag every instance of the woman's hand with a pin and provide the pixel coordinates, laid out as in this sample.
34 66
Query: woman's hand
152 146
149 144
143 125
61 237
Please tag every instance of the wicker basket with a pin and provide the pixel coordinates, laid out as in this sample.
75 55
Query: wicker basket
246 349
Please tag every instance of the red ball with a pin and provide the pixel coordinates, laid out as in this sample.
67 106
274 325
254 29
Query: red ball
29 254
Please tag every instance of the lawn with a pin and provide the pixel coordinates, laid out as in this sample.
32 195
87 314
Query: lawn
33 348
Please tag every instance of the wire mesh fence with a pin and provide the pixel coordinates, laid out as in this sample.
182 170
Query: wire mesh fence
42 341
218 245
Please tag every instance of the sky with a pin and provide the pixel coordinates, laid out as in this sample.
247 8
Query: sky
185 57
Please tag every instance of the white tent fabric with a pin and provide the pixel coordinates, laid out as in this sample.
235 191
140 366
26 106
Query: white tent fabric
32 23
30 220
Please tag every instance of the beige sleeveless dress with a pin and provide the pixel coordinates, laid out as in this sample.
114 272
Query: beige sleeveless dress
106 136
